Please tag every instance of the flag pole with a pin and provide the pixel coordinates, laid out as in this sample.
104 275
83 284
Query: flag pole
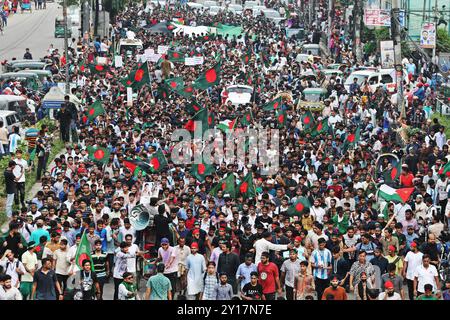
151 81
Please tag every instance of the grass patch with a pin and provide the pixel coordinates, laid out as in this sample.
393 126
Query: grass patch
443 120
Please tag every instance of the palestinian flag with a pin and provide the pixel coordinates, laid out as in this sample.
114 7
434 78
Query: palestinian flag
193 107
298 207
175 56
141 77
307 120
137 165
281 118
98 68
247 118
320 127
227 185
200 117
99 154
201 170
84 252
209 78
445 169
390 175
397 195
95 110
158 161
227 126
246 188
351 140
246 57
273 105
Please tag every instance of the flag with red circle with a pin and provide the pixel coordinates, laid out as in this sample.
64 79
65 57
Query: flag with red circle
201 170
247 188
209 78
299 207
98 154
95 109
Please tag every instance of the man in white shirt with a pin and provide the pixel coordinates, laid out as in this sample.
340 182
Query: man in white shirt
412 260
440 138
61 263
30 263
19 172
425 273
389 294
317 212
7 290
264 245
12 267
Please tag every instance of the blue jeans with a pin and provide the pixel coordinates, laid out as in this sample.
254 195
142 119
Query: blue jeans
9 204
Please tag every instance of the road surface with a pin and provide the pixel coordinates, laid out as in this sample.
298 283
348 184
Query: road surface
31 30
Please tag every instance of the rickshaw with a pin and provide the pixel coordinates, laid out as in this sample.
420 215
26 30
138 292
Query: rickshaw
26 5
313 99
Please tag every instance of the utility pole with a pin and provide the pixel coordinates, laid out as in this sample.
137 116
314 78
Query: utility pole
395 33
357 43
330 28
436 12
66 46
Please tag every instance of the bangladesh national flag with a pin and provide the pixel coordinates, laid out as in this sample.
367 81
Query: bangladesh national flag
135 165
351 140
158 161
95 110
298 207
201 170
246 188
227 185
273 105
320 127
177 85
445 169
281 118
209 78
163 92
98 68
99 154
246 57
140 77
397 195
227 126
175 56
265 59
193 107
200 117
84 252
82 65
247 118
390 175
307 120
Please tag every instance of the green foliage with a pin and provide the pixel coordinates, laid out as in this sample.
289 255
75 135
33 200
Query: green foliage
443 120
443 40
382 34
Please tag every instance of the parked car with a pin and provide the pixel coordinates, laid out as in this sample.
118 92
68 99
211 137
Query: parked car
10 119
239 94
381 77
42 74
13 103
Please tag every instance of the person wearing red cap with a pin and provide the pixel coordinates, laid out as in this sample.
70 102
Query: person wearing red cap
389 293
334 290
388 240
196 267
413 259
395 259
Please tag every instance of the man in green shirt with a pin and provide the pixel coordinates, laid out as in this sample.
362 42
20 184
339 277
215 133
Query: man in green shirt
158 286
428 295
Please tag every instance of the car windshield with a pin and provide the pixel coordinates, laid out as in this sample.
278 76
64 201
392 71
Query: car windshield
312 97
360 78
240 90
272 14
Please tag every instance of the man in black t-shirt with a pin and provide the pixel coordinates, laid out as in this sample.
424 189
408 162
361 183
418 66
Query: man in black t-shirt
253 290
10 183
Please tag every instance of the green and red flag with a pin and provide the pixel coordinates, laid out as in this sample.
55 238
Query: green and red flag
209 78
281 118
175 56
246 57
351 140
392 174
227 185
84 252
264 59
137 165
247 188
445 170
177 86
320 127
247 118
163 92
99 154
99 68
95 110
140 76
227 126
388 193
274 104
82 65
202 117
201 170
307 120
193 107
298 207
158 161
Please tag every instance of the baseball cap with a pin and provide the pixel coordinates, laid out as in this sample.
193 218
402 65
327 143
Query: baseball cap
164 241
391 248
388 285
196 231
298 239
194 245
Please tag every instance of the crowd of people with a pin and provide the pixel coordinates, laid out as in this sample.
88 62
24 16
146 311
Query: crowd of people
345 242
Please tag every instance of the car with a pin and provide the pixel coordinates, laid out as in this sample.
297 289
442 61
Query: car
42 74
214 10
239 94
208 4
29 80
13 103
377 78
194 5
129 46
273 15
30 65
235 8
10 119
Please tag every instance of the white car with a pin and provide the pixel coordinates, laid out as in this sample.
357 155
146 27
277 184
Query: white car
381 77
273 15
208 4
214 10
239 94
235 8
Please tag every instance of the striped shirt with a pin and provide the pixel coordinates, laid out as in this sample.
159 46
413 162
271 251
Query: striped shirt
99 260
321 257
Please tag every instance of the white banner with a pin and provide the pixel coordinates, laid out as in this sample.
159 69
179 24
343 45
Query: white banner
154 57
148 52
193 61
129 96
118 62
428 35
163 49
387 54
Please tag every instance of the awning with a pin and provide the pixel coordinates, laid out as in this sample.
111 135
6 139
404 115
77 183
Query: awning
53 99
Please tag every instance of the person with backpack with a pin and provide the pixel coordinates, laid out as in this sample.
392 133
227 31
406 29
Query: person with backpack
12 267
210 280
367 246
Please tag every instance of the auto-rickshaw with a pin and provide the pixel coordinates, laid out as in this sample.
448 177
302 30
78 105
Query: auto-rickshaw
313 99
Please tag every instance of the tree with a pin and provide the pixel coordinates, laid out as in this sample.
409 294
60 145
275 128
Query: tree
443 41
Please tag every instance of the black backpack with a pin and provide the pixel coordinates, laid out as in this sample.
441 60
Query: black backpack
206 274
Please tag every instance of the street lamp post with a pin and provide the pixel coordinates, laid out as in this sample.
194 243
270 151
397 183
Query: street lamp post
66 46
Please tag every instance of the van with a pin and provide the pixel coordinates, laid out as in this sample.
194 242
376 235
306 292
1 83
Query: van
10 119
29 80
9 65
129 46
13 103
381 77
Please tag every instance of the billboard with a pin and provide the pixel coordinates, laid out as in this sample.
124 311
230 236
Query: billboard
381 18
387 54
428 35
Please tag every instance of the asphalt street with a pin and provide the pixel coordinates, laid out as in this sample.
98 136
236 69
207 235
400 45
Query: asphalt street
30 30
